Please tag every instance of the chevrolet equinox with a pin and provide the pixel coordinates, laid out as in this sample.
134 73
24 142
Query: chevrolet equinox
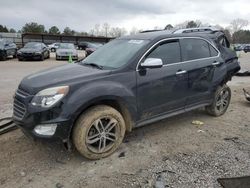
129 82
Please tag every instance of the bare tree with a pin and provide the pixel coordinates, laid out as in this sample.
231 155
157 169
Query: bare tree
182 25
105 29
133 31
117 32
97 30
238 24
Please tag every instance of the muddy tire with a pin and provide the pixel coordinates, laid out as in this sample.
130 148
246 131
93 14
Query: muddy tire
221 101
98 132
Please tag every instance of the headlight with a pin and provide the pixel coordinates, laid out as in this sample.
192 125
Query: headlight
19 52
49 97
38 53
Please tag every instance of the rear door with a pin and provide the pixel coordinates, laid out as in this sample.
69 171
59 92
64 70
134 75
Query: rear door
203 60
162 90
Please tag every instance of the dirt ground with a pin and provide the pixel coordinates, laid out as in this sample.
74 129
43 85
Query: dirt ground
170 153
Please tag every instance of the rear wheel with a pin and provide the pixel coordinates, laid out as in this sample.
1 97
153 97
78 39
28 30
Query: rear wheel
221 101
98 132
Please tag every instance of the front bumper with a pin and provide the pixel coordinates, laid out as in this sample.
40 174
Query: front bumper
27 117
29 56
61 133
66 57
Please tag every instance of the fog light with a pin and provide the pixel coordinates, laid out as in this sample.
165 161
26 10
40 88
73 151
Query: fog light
46 129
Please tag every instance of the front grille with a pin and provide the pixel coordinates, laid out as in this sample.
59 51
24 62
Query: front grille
22 93
27 54
19 109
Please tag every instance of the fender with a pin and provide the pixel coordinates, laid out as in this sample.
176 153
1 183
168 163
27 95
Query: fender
93 93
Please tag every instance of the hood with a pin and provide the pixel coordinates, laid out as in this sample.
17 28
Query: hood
61 75
29 50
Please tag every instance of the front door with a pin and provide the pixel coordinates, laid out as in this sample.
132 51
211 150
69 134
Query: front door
162 90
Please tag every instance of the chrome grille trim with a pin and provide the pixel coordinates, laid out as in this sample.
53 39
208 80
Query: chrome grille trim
22 93
19 109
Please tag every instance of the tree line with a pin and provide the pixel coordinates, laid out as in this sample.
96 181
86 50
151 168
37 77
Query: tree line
234 31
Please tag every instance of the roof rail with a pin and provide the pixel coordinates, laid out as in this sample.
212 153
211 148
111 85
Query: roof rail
153 30
198 29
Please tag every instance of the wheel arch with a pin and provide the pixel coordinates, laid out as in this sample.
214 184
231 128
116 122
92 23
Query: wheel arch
117 103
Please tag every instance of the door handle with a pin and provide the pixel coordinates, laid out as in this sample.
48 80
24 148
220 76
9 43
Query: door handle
216 63
181 72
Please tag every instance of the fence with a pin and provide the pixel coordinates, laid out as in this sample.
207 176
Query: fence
21 39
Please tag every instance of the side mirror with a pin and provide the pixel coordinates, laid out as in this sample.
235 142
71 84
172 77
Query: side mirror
152 63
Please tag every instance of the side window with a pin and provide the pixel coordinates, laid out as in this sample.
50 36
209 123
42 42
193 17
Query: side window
168 52
224 42
213 52
194 49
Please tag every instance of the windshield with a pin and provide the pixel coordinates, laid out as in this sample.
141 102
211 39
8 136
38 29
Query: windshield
66 46
115 53
33 45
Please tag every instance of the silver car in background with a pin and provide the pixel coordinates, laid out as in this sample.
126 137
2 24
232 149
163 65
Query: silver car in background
65 50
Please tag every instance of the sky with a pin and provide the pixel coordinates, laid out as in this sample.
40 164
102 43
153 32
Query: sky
82 15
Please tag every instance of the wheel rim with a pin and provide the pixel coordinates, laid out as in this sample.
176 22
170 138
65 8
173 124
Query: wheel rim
222 100
102 134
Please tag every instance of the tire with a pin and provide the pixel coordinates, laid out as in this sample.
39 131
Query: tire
42 57
88 125
221 101
15 55
4 57
53 49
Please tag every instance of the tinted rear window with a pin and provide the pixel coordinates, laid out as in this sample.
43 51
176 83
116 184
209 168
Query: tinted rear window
194 49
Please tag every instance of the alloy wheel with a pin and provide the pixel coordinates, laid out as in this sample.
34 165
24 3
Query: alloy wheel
102 134
222 100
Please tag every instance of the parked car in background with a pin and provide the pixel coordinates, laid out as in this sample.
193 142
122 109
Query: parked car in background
33 50
129 82
83 45
53 47
7 48
92 47
238 48
65 50
246 49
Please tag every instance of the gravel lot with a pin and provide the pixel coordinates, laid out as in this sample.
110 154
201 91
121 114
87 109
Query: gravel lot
170 153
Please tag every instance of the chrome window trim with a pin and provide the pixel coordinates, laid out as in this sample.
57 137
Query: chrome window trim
182 62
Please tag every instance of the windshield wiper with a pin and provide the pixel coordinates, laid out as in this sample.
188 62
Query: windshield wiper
94 65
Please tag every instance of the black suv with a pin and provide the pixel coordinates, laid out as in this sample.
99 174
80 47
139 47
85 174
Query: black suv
7 48
129 82
246 49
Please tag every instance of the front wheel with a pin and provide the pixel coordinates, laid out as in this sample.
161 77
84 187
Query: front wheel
98 132
220 102
42 57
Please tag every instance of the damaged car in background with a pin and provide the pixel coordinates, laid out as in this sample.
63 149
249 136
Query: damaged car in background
129 82
7 48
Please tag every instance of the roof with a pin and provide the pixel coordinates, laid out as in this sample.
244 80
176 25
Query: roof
171 34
